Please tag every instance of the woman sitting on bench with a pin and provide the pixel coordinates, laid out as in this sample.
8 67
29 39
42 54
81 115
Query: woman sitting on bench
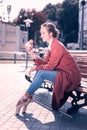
58 66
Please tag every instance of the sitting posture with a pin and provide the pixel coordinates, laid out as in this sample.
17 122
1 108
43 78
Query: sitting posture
58 66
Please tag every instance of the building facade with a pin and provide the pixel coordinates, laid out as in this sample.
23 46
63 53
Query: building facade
12 39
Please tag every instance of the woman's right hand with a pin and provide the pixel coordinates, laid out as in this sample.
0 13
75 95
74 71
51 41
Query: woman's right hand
32 54
31 70
29 49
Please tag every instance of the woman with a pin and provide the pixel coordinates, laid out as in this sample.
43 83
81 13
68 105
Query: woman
57 66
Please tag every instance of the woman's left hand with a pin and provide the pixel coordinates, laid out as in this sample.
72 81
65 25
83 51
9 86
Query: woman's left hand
31 70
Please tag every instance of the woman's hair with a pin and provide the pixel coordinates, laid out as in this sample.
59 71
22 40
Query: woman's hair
51 28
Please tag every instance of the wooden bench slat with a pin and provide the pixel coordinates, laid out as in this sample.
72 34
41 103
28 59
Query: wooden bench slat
84 75
84 84
82 89
83 79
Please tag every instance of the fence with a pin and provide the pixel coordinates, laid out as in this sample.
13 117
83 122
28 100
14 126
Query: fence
15 56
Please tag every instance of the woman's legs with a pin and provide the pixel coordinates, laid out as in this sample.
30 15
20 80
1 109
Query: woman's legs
23 102
39 77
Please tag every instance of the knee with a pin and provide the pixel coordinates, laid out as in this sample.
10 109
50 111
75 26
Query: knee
41 73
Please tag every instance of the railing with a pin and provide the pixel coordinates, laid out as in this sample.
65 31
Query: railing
14 56
25 57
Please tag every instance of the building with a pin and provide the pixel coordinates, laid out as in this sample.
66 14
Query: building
12 39
82 35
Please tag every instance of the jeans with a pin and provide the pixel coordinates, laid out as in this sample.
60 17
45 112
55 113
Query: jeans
39 77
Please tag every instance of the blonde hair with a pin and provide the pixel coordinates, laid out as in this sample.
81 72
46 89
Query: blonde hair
51 28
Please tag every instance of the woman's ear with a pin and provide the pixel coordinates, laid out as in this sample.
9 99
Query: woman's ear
51 34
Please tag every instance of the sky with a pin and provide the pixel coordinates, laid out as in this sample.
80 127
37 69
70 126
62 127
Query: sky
16 5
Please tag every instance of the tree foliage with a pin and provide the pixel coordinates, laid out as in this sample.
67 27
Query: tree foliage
37 17
65 15
50 12
68 20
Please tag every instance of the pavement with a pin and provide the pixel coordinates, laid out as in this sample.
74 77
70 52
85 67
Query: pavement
40 115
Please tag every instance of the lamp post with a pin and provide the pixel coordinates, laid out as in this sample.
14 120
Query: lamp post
8 11
27 22
82 24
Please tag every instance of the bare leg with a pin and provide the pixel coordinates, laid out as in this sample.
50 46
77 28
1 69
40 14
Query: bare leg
23 102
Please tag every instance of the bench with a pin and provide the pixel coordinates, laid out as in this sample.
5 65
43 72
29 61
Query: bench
79 96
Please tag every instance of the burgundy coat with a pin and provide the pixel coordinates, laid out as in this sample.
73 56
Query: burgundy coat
68 76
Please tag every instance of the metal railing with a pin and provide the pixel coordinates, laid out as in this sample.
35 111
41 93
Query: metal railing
14 56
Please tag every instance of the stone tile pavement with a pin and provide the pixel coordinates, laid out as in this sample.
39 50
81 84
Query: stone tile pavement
39 115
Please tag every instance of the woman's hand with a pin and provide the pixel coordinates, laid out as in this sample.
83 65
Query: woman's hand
29 45
30 52
29 48
31 70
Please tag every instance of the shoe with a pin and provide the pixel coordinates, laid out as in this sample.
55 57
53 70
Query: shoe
23 102
28 78
25 105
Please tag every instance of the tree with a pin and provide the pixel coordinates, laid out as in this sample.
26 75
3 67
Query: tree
69 20
65 15
37 17
50 11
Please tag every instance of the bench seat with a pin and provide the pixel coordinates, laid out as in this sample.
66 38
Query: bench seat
82 87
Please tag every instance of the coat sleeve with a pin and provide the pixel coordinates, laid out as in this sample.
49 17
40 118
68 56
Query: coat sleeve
55 56
39 61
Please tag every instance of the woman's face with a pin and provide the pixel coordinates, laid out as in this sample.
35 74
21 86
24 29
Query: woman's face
45 35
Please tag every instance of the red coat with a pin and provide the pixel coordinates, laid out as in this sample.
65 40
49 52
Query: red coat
68 76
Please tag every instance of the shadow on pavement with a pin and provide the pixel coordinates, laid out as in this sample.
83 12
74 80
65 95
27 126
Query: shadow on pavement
78 122
74 122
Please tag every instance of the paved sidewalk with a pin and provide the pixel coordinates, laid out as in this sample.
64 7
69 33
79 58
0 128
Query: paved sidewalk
39 115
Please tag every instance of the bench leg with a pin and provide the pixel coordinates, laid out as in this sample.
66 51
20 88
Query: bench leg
79 100
47 86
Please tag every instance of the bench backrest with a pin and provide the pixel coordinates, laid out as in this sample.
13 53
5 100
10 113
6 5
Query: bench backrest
81 59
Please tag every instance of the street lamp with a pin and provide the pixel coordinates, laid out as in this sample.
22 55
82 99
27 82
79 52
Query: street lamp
8 11
82 25
27 22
